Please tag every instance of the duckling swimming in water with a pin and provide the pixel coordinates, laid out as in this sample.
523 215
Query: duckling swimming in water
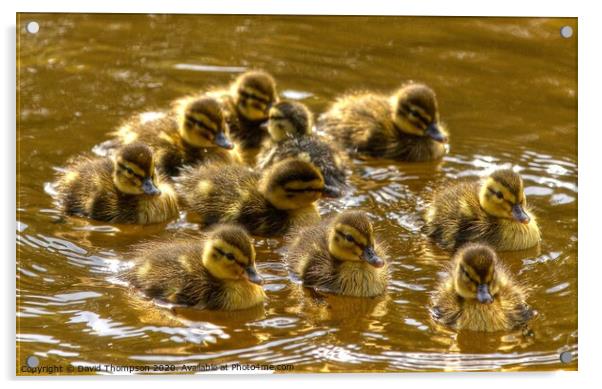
340 256
290 126
247 103
403 127
123 190
267 204
479 294
216 272
493 211
195 132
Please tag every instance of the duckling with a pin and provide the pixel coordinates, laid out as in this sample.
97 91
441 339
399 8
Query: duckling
290 126
267 204
403 127
247 103
124 189
493 211
216 273
194 132
340 256
478 294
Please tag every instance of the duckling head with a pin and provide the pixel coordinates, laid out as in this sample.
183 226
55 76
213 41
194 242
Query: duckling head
228 254
351 238
502 195
289 119
415 112
475 276
134 170
255 93
202 123
292 184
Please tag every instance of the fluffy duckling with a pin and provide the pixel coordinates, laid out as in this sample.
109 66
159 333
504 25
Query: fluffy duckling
217 273
340 256
403 127
478 294
247 103
267 204
493 211
195 132
290 126
124 189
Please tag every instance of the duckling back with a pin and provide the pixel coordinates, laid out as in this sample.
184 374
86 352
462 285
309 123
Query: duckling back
363 124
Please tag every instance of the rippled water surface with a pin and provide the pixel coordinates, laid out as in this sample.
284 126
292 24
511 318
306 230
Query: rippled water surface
507 91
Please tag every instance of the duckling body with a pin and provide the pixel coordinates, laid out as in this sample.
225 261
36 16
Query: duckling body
403 127
194 132
216 272
104 190
472 212
267 204
340 256
479 294
246 103
290 127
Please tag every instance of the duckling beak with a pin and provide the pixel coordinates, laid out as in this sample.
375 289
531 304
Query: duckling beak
435 132
222 141
252 275
369 255
519 214
483 295
331 191
149 187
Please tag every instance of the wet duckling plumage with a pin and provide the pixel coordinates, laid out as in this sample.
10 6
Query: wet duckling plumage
290 126
493 211
403 127
216 272
267 203
123 189
340 256
195 131
479 294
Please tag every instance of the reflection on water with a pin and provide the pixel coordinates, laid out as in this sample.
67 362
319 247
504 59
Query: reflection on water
507 91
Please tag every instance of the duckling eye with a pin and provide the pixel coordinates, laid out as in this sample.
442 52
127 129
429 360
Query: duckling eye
230 256
349 238
499 195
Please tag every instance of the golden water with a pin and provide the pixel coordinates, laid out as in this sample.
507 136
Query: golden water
507 90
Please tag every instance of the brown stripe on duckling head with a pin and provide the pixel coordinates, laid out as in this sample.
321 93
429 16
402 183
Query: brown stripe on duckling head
139 154
294 170
258 83
510 180
236 236
358 220
420 98
208 108
478 261
296 113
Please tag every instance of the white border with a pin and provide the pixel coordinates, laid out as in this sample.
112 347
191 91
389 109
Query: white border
590 194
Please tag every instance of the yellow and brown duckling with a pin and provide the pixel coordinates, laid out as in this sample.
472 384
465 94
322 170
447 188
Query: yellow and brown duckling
340 256
194 132
247 103
290 126
403 127
478 294
216 272
122 189
267 203
493 211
